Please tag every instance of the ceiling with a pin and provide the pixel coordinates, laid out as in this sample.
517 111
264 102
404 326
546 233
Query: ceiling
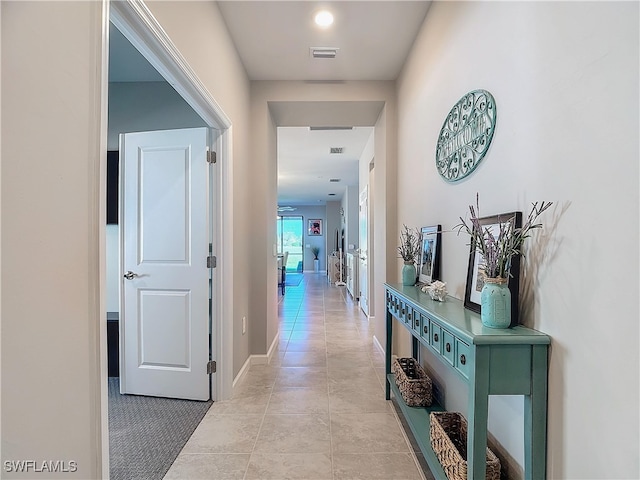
273 39
373 37
304 158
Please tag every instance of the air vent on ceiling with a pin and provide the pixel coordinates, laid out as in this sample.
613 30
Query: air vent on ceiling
334 180
323 52
332 194
336 149
330 128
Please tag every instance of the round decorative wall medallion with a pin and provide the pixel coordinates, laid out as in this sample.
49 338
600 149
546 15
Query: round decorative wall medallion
466 135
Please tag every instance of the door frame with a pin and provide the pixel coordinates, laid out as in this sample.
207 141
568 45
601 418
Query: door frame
136 22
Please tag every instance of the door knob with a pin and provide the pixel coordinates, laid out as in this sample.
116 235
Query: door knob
130 275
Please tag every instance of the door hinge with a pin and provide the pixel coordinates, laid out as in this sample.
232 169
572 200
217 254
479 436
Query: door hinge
211 261
211 157
211 367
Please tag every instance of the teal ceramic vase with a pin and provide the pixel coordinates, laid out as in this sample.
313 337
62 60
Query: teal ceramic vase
495 302
409 274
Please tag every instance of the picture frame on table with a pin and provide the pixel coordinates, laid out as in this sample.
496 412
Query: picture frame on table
429 262
475 271
314 227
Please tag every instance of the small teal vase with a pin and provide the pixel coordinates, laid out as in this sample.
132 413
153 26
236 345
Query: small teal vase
409 274
495 302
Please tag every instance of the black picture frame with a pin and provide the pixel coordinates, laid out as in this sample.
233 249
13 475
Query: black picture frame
474 275
429 262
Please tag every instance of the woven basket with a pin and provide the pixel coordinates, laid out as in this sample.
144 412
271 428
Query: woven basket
413 382
449 442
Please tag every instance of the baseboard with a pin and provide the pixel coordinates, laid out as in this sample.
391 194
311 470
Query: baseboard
266 359
256 360
241 374
274 346
377 344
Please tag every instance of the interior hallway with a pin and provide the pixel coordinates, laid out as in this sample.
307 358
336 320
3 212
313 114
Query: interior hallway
316 412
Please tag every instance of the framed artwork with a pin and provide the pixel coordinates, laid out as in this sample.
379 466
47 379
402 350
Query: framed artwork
475 273
429 266
315 226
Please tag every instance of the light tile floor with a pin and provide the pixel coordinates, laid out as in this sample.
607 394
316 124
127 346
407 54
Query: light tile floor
316 412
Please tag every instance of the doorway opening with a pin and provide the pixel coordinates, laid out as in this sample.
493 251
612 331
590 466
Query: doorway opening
289 230
172 77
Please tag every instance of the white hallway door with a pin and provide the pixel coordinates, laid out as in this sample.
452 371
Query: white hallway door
364 251
166 228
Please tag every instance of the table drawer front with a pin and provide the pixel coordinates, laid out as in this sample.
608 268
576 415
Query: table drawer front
408 316
463 358
424 329
393 304
404 308
448 346
435 339
417 322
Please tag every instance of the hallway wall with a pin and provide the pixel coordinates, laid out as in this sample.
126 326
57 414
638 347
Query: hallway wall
565 79
51 317
351 208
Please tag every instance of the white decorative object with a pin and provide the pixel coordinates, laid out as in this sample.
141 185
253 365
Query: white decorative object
437 290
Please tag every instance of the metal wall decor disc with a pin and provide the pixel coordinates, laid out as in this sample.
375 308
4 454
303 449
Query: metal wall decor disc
466 135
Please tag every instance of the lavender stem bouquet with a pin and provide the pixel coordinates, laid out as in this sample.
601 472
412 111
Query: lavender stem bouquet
498 250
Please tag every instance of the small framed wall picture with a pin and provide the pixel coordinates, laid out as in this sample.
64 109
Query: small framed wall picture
476 270
429 267
315 226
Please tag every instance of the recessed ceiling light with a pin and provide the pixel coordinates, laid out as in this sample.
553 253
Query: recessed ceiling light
324 18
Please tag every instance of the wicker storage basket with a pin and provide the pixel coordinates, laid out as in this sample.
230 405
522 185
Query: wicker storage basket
413 382
449 442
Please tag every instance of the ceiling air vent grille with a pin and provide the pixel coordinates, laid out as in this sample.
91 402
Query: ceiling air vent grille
336 149
329 127
323 52
334 180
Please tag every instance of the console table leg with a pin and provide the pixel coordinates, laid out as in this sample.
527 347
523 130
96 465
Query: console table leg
535 418
478 413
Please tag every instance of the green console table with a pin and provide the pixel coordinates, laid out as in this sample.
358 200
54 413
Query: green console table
509 361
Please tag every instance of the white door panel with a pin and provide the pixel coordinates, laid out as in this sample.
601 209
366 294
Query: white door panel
165 317
166 236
